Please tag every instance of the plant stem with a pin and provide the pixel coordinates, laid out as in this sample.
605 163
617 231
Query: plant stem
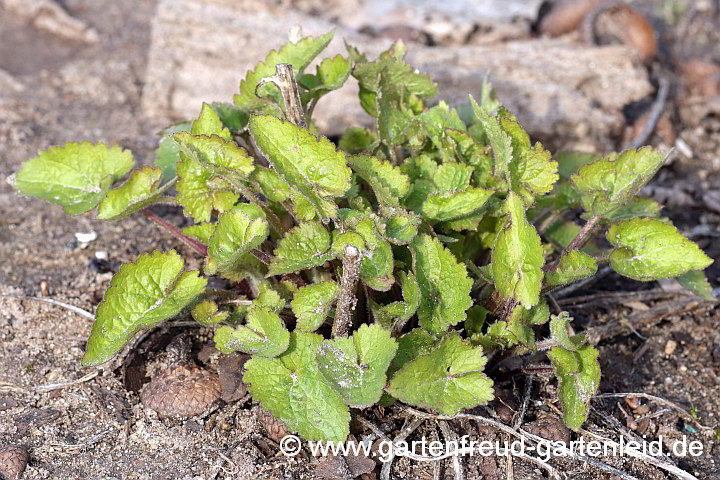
346 300
578 242
176 232
284 79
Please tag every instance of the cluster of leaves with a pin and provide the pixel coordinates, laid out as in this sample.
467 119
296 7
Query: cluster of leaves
461 223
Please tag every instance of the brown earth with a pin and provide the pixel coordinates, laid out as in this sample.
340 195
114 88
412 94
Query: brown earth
62 81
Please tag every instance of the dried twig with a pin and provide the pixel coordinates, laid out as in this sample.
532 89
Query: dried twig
520 415
57 386
449 437
284 79
351 261
72 308
662 401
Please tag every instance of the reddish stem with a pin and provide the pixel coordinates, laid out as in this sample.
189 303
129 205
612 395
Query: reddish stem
177 233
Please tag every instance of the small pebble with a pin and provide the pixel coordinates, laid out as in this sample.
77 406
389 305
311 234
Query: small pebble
670 347
88 237
101 255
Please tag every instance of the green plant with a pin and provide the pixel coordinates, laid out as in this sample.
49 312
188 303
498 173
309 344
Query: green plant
382 268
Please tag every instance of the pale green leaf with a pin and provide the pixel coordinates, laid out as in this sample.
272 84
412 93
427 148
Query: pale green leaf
298 54
220 156
292 388
608 183
356 366
650 249
168 152
448 378
573 266
264 335
559 325
452 176
209 123
499 140
236 233
636 207
138 192
444 284
332 73
142 294
305 246
517 257
308 163
401 227
200 231
578 375
311 305
448 206
76 176
386 180
206 312
534 170
696 282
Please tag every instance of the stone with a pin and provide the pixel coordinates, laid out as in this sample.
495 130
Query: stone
200 49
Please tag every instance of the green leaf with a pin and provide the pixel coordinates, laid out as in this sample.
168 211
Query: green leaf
393 116
696 282
452 176
272 185
636 207
534 170
206 312
500 141
332 73
356 366
578 376
292 388
651 249
397 73
310 164
448 378
401 227
140 191
570 162
264 335
608 183
377 267
298 54
573 266
411 345
207 174
559 325
168 152
444 284
448 206
387 315
142 294
209 123
387 182
517 257
305 246
311 305
76 175
214 153
234 118
236 233
357 140
200 231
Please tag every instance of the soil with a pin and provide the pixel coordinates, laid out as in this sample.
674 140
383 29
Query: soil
55 88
